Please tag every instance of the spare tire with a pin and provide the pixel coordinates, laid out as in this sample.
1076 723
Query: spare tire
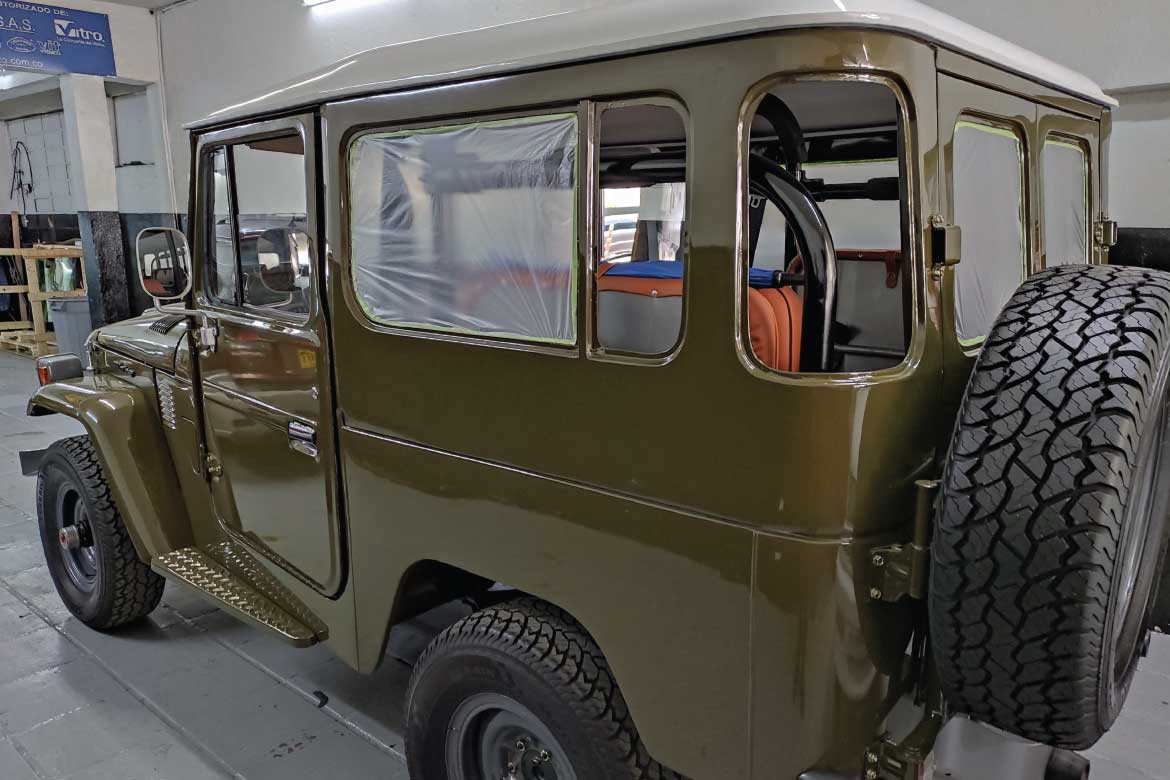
1052 515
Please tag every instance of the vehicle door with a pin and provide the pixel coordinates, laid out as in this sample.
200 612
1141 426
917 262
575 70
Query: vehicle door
266 383
986 138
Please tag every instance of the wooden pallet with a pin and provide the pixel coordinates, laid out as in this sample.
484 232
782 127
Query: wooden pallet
25 342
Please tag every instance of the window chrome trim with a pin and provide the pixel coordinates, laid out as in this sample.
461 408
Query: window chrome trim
1082 145
911 229
509 342
974 117
594 350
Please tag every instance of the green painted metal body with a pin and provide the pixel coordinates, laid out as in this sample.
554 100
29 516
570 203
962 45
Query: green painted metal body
717 549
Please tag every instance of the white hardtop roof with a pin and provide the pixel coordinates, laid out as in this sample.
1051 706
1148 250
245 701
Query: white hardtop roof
633 26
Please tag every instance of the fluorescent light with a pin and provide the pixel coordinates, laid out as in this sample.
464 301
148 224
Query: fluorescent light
316 2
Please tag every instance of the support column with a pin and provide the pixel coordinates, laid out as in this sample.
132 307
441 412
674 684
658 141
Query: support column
89 142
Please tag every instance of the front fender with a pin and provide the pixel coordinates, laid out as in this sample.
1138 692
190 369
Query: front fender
126 430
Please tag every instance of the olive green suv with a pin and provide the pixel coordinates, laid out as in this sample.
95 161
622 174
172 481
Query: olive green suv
754 376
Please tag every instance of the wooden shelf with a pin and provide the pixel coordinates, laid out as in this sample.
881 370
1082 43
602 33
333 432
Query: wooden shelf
29 334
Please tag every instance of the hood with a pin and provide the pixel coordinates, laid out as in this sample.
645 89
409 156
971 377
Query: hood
152 338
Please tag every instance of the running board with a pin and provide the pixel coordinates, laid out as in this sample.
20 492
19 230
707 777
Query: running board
219 581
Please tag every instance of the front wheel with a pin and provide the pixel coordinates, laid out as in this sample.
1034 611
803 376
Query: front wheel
520 691
90 556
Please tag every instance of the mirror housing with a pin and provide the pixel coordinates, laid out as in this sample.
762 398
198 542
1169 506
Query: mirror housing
164 263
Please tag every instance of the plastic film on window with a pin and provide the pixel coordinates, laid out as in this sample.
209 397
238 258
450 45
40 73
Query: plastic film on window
468 228
1066 203
989 206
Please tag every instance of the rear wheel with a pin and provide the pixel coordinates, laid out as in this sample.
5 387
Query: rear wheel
89 553
519 691
1052 519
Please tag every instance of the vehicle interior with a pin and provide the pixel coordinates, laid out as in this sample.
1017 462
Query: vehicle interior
833 145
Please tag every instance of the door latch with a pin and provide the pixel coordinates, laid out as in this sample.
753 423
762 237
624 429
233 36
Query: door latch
946 245
302 438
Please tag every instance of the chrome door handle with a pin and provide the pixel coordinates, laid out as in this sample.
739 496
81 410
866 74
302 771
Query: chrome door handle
302 438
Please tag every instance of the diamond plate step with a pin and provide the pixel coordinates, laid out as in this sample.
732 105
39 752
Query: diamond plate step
194 568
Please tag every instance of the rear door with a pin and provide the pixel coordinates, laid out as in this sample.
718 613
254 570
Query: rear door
987 138
266 385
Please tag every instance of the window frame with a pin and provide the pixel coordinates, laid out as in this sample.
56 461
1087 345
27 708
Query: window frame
206 146
594 209
1082 145
911 229
512 342
999 126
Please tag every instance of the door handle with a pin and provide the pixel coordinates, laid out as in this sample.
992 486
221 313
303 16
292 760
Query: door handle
302 438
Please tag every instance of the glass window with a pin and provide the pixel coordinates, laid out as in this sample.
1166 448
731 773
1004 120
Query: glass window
221 247
1066 203
468 228
988 178
273 224
642 229
825 169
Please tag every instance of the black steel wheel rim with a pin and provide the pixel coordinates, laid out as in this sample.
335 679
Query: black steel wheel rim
1135 585
493 737
80 563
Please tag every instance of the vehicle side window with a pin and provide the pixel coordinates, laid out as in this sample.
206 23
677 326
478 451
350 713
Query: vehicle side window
1066 202
641 224
468 228
221 246
259 251
272 223
988 177
828 283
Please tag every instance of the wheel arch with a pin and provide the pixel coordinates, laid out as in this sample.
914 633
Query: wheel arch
126 431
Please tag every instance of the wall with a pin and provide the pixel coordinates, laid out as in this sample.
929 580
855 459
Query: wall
210 62
1119 43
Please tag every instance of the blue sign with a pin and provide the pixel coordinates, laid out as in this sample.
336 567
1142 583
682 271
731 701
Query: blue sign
49 39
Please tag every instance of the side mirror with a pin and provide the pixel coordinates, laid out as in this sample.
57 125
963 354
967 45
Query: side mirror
280 253
164 263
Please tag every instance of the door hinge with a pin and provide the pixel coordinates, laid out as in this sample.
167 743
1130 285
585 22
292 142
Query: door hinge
208 337
213 467
1105 232
946 245
888 759
898 571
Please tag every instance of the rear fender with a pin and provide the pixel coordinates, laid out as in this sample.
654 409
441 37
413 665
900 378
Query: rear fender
124 424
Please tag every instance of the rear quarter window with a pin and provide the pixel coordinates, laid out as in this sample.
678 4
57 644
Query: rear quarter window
468 228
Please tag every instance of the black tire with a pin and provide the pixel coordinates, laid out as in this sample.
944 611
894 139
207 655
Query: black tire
535 655
1054 493
107 586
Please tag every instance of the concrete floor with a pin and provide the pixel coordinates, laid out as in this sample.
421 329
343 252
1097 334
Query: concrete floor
191 694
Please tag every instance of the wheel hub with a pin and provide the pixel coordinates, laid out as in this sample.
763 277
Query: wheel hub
75 537
525 759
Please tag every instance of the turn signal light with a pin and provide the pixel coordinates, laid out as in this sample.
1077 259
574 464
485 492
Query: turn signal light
44 376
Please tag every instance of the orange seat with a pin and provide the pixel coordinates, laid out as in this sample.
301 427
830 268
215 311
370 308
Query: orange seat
774 319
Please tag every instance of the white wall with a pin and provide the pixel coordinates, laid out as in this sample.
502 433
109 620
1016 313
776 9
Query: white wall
135 37
219 51
1121 44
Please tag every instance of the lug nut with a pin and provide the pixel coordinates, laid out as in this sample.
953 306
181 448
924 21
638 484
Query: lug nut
875 594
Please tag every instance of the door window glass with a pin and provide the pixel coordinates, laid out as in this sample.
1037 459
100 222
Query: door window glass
221 247
988 177
273 224
468 228
642 228
1066 203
